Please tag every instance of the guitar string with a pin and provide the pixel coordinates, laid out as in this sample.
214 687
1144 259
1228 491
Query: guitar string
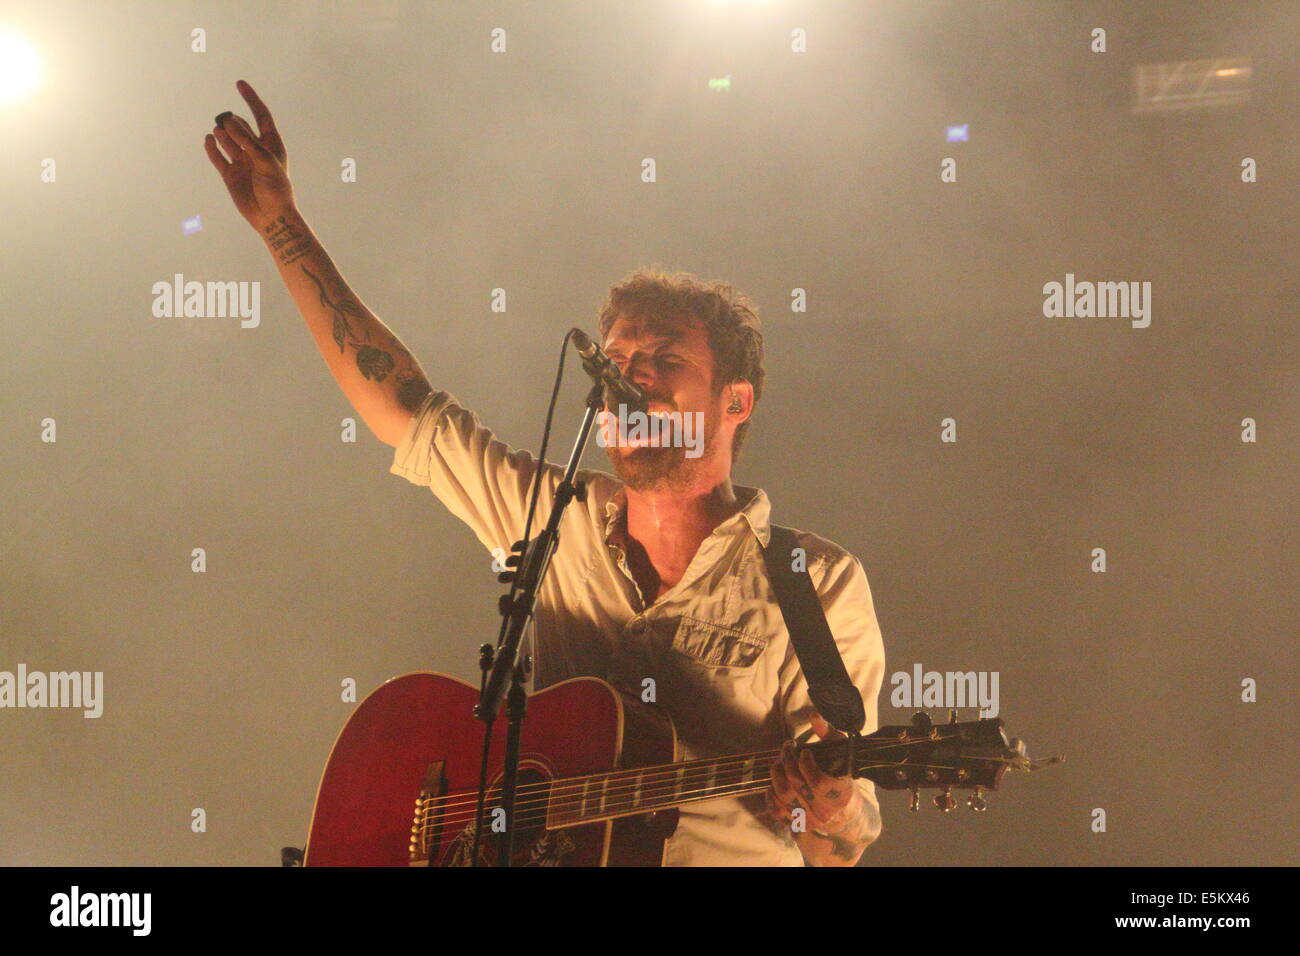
627 778
466 818
556 804
729 790
721 764
726 789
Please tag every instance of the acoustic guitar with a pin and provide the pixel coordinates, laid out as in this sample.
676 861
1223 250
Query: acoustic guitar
598 783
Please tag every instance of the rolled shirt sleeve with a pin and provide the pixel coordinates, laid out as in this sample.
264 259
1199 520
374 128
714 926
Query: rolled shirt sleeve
481 480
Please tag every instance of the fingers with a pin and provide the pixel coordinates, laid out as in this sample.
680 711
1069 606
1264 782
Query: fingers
239 130
796 766
214 154
823 729
782 787
802 771
790 764
811 773
265 124
233 149
775 808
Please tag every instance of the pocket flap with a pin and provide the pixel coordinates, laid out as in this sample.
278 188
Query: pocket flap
717 644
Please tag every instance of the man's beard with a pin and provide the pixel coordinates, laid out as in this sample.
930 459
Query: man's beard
646 468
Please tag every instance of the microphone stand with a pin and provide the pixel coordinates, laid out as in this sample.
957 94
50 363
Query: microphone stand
506 679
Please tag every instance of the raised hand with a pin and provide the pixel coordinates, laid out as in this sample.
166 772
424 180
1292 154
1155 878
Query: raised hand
256 173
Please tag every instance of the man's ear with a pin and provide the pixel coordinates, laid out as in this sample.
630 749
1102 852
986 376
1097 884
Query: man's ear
739 399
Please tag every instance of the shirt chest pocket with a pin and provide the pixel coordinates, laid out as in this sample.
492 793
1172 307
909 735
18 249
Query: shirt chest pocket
717 645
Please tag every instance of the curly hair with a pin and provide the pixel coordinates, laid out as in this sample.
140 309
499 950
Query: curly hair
727 316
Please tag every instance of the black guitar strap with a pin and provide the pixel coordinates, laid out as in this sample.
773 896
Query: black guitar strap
829 686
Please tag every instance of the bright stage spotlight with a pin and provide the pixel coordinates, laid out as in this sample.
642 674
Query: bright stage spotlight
20 67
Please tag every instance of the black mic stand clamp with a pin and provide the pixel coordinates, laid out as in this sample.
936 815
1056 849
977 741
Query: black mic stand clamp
504 683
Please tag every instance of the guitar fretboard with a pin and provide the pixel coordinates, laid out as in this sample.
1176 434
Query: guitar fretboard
619 793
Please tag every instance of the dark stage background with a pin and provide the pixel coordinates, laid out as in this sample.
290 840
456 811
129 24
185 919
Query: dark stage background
522 171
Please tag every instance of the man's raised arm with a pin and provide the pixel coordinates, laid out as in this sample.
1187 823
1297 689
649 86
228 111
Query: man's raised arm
381 379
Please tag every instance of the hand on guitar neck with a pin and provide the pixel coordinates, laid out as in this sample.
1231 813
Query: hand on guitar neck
827 815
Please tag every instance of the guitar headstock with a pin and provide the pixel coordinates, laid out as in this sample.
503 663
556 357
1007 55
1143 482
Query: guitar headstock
924 755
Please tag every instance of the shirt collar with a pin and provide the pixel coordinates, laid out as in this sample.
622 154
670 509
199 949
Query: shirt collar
755 513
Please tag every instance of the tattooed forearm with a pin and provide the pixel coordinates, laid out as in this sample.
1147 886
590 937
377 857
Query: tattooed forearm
381 379
375 364
411 387
846 846
341 307
287 241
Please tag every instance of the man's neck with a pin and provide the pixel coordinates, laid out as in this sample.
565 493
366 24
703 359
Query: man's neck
668 527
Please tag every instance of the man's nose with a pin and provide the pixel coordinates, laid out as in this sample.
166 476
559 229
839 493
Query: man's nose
639 371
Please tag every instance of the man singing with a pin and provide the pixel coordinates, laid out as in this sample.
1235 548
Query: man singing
660 572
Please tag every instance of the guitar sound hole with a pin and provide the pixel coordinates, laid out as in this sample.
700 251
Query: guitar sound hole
533 844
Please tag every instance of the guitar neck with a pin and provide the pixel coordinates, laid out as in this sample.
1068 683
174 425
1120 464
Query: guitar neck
619 793
970 755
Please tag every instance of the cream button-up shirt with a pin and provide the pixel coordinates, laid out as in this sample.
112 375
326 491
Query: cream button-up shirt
715 644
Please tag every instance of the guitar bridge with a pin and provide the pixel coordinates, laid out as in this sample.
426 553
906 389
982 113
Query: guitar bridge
428 817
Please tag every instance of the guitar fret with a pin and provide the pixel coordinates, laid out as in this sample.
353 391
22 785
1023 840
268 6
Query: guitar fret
645 789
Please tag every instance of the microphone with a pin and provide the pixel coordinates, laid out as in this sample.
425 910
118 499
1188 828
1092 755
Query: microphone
604 372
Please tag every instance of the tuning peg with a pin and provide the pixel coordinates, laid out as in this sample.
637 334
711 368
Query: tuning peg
976 800
505 577
922 722
952 715
914 800
945 801
1018 747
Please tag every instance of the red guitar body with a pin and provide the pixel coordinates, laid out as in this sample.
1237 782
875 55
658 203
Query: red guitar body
415 738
